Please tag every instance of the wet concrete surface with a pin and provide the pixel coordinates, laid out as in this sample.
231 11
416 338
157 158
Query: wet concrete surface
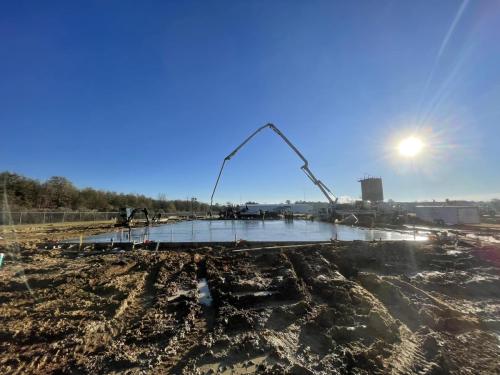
351 307
251 230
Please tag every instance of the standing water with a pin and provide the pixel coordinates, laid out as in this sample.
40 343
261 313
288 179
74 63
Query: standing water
205 297
252 230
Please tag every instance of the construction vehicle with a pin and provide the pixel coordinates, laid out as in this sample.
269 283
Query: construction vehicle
329 214
126 215
229 213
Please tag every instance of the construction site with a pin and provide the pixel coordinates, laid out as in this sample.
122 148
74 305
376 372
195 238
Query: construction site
426 307
325 288
249 187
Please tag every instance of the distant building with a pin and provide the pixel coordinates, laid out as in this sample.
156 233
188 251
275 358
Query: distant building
450 215
371 189
411 206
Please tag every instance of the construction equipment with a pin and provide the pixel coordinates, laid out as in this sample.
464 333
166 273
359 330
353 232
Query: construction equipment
126 214
332 200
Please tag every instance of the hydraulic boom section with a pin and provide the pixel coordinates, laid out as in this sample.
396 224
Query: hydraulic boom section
126 215
324 189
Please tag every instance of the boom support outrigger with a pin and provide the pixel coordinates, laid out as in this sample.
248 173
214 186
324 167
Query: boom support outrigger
324 189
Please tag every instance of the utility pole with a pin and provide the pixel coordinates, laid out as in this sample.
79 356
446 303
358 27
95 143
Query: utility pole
193 199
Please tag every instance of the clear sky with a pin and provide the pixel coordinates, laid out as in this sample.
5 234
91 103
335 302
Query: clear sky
149 96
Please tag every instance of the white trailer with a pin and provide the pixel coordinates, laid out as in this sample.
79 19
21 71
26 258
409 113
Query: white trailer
449 215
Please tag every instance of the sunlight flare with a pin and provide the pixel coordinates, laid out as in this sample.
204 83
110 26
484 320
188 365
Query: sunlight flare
410 147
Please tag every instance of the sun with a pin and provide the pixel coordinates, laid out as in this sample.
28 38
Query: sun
410 147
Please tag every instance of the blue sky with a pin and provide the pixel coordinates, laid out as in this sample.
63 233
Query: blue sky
148 97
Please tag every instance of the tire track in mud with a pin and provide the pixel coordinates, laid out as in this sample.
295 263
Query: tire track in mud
412 306
391 299
240 351
190 343
191 337
300 312
299 275
132 338
130 311
407 355
309 346
137 305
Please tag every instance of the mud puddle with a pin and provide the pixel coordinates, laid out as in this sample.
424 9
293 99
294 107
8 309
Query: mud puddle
204 295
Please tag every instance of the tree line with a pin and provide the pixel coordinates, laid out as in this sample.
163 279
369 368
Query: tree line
58 193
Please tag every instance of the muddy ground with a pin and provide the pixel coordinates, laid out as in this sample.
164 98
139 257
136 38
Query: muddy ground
350 307
33 235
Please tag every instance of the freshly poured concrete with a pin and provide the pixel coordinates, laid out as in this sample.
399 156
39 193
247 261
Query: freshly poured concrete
250 230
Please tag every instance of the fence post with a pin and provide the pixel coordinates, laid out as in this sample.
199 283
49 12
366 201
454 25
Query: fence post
64 216
20 217
44 217
80 216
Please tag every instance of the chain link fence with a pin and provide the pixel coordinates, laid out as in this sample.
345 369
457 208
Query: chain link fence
55 217
29 217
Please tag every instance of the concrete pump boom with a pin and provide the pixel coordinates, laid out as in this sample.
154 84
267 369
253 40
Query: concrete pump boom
324 189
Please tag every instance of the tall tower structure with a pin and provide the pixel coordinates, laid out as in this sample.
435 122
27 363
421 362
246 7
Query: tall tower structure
371 189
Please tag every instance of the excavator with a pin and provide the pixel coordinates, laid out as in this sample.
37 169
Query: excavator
126 214
332 200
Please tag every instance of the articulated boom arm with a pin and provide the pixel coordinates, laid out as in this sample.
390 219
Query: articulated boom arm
135 210
324 189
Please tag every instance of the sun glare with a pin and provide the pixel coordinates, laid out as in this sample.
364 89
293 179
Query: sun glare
410 147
